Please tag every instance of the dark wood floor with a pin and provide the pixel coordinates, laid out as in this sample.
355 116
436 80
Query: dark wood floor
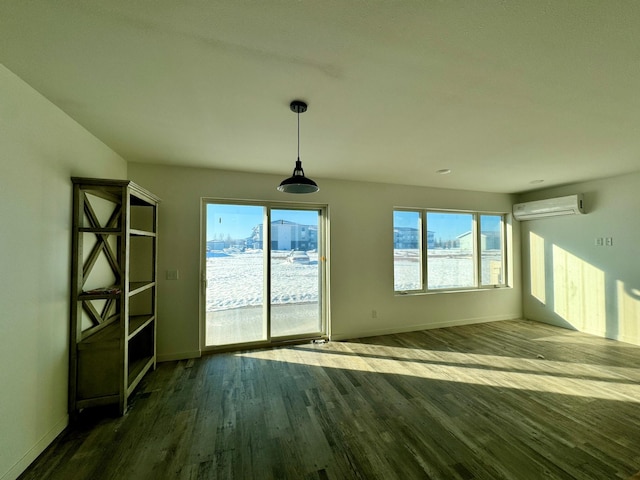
506 400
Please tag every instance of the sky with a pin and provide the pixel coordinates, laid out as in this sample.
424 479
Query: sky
237 221
445 225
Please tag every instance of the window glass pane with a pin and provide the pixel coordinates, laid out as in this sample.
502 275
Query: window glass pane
491 260
407 261
235 275
295 273
450 245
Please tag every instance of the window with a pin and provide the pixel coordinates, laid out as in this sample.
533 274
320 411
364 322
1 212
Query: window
450 259
492 250
439 251
407 254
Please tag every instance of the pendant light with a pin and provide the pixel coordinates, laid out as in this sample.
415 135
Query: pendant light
298 183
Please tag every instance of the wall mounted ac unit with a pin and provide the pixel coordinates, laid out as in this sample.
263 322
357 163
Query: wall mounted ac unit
551 207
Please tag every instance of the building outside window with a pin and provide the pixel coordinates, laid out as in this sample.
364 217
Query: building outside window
463 250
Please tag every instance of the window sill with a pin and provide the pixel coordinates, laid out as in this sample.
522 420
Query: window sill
412 293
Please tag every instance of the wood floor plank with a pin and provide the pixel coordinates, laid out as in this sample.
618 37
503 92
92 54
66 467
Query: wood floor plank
513 400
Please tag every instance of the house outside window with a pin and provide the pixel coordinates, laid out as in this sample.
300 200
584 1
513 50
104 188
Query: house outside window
443 250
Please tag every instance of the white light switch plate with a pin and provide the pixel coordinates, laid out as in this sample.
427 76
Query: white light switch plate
172 275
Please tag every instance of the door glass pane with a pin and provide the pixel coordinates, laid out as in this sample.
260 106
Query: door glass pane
450 261
295 273
491 259
235 272
407 261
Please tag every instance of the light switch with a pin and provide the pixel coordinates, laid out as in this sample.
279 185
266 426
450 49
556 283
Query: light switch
599 242
172 274
609 241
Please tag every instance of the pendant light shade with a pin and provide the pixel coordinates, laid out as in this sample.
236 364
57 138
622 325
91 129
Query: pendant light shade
297 182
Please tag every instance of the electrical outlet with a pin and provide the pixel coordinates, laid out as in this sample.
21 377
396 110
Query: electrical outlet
374 314
599 242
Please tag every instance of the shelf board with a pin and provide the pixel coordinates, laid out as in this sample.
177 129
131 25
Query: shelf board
141 197
134 288
137 323
111 332
97 401
141 233
107 335
97 296
137 287
137 370
94 330
101 230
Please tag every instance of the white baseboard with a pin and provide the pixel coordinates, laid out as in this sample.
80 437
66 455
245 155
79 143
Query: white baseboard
626 339
22 464
632 339
172 357
418 327
619 338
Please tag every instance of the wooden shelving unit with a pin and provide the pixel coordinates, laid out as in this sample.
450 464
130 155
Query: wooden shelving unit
113 291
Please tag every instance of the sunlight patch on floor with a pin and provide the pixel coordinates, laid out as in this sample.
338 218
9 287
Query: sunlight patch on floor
536 374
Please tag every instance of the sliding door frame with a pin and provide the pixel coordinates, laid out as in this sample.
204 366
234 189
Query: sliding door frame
323 277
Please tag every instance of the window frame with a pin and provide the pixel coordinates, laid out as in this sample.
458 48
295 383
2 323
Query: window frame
323 247
476 234
503 249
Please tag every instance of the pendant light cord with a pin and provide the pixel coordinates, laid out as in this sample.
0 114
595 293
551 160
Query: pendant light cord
298 114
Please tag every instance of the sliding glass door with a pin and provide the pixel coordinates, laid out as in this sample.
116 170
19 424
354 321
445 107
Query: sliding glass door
255 252
295 273
235 275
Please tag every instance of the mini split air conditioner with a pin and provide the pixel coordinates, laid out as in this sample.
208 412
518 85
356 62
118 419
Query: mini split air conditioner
551 207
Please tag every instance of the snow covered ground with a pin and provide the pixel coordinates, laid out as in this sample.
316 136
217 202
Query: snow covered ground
237 280
235 294
446 269
236 285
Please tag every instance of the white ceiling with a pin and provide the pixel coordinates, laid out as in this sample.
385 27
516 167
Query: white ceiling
503 93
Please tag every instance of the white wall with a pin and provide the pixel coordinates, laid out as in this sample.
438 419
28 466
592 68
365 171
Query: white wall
570 281
361 272
40 148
